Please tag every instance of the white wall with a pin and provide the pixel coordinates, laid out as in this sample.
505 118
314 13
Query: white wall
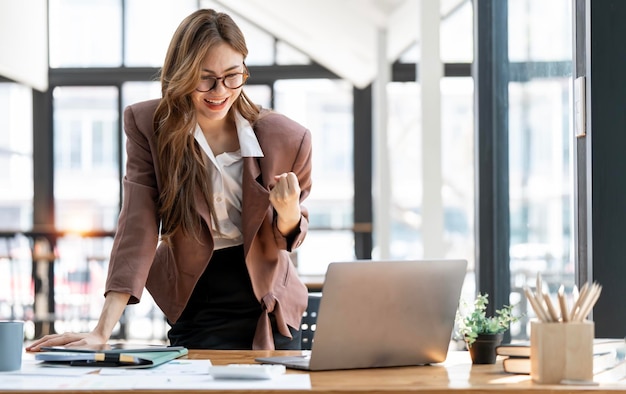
24 42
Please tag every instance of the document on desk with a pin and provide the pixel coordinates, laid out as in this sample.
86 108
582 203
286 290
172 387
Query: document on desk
198 382
131 382
180 374
173 368
33 367
193 374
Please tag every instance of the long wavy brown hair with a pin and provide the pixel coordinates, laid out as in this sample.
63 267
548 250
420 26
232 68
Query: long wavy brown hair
183 171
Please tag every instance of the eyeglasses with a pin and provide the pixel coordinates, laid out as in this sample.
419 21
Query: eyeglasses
230 81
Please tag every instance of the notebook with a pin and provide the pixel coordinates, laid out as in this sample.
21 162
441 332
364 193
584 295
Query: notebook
383 314
116 355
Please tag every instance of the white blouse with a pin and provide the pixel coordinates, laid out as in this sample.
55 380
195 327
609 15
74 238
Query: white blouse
227 191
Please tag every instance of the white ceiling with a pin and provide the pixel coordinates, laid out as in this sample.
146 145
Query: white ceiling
341 35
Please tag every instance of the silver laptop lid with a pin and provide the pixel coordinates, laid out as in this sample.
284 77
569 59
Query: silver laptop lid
386 313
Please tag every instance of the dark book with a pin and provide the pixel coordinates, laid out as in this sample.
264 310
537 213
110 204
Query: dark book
517 349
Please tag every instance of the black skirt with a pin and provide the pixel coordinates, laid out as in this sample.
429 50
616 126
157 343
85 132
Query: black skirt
223 311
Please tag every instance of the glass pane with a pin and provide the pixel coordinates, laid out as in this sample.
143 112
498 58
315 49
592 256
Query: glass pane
16 157
150 25
457 134
260 43
405 141
286 54
134 92
540 179
322 247
85 33
457 29
260 95
80 275
325 108
16 296
540 30
86 187
456 34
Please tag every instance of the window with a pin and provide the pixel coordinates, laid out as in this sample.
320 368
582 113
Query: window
149 26
405 141
325 108
85 34
540 130
16 157
86 187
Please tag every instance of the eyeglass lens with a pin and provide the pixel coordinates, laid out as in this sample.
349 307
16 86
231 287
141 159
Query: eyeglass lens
231 81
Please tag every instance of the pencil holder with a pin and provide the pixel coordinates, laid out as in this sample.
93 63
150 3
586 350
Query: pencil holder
561 352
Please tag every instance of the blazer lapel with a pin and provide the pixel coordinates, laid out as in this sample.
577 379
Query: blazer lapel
255 200
201 204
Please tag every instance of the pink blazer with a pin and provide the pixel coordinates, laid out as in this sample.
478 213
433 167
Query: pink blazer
170 273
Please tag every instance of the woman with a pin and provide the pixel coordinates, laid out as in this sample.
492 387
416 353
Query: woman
221 181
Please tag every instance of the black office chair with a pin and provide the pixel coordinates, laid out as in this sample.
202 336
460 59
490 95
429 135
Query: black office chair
309 320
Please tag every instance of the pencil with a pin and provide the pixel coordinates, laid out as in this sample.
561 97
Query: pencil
551 311
539 311
592 297
579 300
563 304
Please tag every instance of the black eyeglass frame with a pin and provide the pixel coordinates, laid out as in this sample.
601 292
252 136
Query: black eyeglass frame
245 74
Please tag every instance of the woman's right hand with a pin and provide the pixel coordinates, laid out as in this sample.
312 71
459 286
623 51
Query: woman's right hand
67 339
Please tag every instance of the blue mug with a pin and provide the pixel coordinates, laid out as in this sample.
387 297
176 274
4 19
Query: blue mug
11 345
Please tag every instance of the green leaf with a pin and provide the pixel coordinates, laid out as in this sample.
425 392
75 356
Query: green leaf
476 322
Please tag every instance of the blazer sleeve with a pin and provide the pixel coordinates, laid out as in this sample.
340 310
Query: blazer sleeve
136 238
302 168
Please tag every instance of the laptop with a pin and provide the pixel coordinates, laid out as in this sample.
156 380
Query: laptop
383 314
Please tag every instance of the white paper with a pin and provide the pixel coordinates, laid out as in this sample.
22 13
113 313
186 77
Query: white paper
33 367
197 382
180 374
171 368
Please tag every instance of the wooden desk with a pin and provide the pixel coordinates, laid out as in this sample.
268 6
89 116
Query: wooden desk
456 375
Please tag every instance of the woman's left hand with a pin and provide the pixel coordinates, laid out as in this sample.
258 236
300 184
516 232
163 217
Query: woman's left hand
285 198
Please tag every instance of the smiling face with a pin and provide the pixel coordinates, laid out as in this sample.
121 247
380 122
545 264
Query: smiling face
220 61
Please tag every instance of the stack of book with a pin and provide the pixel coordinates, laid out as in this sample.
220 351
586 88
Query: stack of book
606 353
517 357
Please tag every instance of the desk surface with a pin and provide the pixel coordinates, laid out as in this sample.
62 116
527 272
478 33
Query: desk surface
456 375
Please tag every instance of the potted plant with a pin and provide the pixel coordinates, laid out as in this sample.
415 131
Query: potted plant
483 333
